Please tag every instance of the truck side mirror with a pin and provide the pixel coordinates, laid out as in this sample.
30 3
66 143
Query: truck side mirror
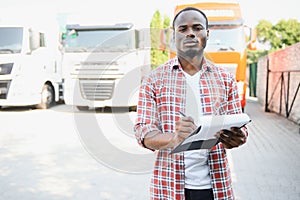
253 38
252 33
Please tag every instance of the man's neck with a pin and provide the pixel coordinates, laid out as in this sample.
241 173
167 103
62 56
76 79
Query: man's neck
191 65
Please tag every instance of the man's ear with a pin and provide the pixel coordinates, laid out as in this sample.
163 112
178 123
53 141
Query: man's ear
207 34
173 34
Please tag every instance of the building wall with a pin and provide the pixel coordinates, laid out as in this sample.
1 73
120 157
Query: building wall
287 59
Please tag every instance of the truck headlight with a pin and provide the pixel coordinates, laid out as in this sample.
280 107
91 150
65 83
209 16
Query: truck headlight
6 68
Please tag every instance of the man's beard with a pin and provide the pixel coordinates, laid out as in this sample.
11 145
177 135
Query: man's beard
189 54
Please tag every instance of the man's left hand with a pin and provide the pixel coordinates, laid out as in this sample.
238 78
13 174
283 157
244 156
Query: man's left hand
231 138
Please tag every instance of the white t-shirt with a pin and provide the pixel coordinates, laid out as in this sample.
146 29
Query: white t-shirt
196 167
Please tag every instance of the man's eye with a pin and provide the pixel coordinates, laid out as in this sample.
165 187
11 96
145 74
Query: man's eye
199 28
181 29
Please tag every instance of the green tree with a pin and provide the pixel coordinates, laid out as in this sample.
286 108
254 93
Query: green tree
289 32
280 35
158 55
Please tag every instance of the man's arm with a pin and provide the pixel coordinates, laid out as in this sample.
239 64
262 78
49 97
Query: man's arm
156 140
236 136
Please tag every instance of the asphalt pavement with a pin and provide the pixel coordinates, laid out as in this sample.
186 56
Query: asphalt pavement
268 165
43 156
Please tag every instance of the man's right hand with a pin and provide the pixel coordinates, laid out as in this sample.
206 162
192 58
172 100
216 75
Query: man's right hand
183 128
156 140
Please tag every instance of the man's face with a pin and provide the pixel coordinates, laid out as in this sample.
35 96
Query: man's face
191 33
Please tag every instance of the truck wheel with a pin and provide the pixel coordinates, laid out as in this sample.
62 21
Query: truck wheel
47 97
82 108
132 108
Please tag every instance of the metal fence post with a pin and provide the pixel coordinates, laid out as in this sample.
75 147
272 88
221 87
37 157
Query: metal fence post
267 87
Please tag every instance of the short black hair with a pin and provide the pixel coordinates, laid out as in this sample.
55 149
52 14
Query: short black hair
187 9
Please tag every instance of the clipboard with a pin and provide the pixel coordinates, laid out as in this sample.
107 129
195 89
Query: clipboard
204 136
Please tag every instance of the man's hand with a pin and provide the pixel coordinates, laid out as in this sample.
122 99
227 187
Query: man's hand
231 138
156 140
183 128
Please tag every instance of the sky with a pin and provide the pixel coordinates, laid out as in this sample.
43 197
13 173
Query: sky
140 12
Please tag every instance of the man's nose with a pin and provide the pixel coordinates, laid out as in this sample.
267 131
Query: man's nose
190 33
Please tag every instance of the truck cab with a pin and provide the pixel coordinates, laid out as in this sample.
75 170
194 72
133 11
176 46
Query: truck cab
29 67
103 65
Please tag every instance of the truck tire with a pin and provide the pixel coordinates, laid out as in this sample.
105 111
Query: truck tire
82 108
132 108
47 97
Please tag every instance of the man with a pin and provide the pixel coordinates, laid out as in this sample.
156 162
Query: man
188 83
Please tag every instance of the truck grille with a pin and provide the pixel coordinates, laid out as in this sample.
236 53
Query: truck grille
4 87
96 71
97 90
96 79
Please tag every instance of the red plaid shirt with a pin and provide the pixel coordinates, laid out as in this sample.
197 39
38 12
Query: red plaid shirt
161 96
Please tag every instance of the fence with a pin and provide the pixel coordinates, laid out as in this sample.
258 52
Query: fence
283 84
278 82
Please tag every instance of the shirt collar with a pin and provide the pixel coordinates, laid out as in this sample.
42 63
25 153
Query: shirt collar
206 65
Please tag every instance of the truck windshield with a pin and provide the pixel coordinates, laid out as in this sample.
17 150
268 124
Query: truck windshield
10 39
226 39
99 40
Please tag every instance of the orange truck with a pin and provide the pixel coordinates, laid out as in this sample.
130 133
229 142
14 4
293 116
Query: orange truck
227 44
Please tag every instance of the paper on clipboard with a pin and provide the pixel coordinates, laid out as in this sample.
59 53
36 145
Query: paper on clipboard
204 136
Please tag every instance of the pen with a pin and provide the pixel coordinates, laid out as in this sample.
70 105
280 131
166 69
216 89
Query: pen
245 124
182 114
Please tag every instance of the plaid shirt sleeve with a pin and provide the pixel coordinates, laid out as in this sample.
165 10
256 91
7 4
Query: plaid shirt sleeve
160 99
234 106
147 120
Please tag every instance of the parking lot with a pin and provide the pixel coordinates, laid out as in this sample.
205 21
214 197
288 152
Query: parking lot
44 156
62 153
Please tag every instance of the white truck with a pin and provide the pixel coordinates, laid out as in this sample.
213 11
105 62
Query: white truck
103 65
30 69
